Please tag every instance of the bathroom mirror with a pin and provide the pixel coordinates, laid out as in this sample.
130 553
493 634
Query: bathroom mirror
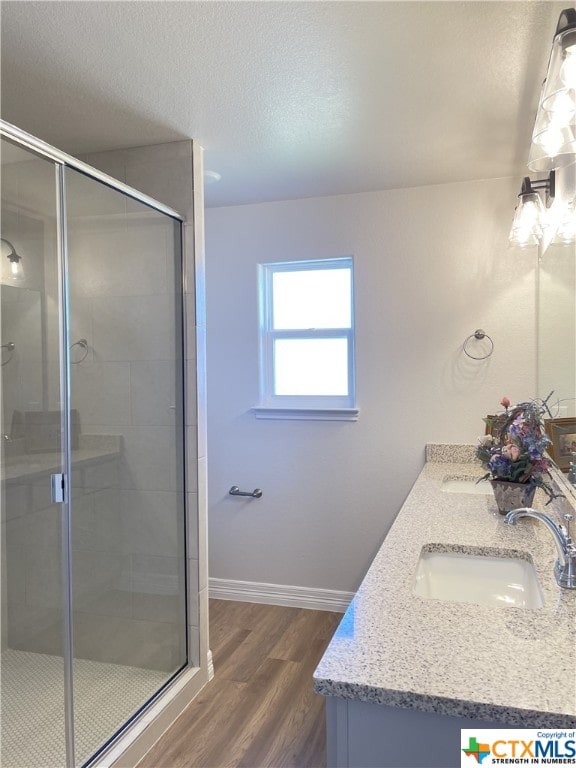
22 351
557 329
556 360
22 317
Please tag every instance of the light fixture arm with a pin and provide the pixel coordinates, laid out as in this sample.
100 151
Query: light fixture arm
549 184
12 256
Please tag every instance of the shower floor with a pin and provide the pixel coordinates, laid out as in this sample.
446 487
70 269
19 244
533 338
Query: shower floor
32 700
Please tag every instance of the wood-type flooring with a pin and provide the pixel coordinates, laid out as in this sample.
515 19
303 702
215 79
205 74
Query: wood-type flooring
260 710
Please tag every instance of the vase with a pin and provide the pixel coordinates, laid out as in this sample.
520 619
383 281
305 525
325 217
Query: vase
512 495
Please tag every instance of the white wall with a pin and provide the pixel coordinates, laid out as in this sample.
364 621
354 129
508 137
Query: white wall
432 264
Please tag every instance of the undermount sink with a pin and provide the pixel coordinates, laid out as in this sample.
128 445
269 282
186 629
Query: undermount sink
506 582
463 485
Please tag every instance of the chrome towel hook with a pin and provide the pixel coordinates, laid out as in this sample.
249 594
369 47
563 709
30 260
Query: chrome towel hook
255 494
479 334
9 347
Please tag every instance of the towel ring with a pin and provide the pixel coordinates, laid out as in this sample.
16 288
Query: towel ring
84 345
479 335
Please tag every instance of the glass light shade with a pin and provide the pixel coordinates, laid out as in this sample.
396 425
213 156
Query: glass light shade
528 218
553 142
566 232
554 135
558 93
12 270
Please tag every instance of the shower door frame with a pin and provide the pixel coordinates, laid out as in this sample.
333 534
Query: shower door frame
62 161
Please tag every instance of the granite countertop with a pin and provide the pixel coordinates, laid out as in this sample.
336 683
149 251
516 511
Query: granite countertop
511 665
92 448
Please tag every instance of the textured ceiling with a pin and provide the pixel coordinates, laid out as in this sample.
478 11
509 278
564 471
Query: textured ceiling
290 99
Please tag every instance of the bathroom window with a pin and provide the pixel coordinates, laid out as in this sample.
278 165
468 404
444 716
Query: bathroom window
307 339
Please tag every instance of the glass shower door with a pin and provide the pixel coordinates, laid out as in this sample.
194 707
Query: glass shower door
127 490
34 652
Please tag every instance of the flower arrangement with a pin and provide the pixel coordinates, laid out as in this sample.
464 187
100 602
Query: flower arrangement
516 452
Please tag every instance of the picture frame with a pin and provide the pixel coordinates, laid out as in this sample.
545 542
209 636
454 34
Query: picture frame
494 424
562 432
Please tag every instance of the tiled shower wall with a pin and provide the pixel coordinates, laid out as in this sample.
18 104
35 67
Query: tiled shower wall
169 173
125 386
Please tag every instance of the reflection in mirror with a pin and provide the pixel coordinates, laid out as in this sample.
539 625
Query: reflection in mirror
22 308
557 343
557 329
22 354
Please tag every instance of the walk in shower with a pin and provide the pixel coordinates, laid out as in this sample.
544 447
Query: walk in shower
94 583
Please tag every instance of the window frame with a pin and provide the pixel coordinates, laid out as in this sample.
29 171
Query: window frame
301 406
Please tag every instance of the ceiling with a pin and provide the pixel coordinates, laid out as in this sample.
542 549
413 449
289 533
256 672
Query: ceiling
290 99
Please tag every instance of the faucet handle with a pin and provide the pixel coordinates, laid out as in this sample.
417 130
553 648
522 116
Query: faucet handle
568 521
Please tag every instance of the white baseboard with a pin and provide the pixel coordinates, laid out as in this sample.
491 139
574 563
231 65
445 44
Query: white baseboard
280 594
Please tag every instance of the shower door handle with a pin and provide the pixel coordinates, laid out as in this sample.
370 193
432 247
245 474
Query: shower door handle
58 486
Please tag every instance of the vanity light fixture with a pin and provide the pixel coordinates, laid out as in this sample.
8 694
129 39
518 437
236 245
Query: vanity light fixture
566 231
554 135
16 273
530 215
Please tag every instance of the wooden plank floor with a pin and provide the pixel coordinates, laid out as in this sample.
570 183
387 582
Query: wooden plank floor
260 710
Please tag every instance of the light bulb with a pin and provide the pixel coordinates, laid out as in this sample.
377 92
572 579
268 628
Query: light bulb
568 68
527 225
16 272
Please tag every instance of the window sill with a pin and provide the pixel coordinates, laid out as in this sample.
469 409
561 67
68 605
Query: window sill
306 414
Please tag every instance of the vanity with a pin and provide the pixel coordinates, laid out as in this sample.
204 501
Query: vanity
405 672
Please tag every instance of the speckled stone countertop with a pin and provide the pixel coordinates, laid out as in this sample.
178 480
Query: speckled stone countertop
511 665
92 448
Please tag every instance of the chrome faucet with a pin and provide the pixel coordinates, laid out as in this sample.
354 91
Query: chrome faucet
565 567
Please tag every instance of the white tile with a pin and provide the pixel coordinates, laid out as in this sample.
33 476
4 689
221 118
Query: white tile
193 592
151 523
188 255
100 475
163 608
16 532
168 180
194 646
191 460
203 522
190 319
134 328
202 392
170 151
191 402
17 501
152 393
15 575
101 392
192 525
96 521
44 531
127 259
43 580
204 634
113 163
145 460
